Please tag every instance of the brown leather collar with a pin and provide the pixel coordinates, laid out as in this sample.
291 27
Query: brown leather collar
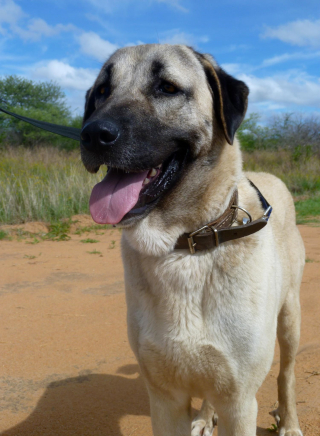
220 230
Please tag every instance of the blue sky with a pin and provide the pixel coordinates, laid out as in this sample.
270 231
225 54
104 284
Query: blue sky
273 45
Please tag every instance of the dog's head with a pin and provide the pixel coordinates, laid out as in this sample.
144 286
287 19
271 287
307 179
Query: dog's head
152 112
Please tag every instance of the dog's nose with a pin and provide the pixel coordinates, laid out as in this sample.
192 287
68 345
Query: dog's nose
97 135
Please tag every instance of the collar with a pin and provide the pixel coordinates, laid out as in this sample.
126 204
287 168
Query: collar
220 230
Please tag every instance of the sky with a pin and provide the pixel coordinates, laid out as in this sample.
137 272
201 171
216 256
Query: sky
272 45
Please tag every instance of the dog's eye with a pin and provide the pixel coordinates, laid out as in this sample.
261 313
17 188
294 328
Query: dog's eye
103 90
168 88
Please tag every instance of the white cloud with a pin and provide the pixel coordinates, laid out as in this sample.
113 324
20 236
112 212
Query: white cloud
13 58
174 3
289 57
75 101
283 90
10 12
300 32
178 38
106 6
94 46
110 6
41 27
175 36
64 74
232 69
37 28
235 68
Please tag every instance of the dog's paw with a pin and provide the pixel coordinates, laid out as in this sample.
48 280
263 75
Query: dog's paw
282 430
200 427
285 432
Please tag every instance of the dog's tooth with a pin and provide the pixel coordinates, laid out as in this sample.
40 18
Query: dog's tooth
146 181
153 172
159 166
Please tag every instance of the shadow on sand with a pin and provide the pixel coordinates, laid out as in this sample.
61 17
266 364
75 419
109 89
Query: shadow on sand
90 405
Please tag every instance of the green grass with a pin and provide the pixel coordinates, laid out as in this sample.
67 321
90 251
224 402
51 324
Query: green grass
89 241
308 260
301 177
273 428
51 185
94 228
94 252
308 207
33 242
43 184
59 230
112 245
3 235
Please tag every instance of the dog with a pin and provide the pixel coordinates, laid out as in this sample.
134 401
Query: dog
202 316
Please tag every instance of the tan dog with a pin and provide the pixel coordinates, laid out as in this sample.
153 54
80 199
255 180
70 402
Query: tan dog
163 118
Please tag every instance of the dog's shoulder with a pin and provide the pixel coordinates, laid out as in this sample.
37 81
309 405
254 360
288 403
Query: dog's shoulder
283 217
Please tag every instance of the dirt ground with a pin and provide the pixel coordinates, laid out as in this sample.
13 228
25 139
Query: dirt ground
66 366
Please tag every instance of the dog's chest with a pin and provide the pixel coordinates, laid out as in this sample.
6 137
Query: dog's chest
176 323
196 367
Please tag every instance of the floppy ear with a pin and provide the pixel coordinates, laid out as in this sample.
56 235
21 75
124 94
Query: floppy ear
230 96
89 105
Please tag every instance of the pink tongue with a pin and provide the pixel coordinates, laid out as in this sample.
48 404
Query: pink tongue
115 196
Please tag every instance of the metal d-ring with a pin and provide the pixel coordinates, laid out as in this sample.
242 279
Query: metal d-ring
244 220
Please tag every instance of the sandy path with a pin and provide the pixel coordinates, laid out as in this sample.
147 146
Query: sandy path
66 366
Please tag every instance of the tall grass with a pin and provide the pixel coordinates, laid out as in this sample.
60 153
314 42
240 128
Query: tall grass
47 184
43 184
301 174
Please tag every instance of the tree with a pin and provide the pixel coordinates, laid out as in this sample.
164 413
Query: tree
296 131
44 101
252 135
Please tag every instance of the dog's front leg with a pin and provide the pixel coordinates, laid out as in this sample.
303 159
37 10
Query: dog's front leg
170 413
238 417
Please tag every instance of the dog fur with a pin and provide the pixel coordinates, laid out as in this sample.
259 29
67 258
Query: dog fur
201 325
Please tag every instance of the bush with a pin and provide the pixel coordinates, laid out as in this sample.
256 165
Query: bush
297 133
42 101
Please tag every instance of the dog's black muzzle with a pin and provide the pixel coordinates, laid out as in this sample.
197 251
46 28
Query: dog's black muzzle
98 135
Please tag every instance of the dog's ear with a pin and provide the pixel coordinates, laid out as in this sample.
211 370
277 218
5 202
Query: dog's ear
89 106
230 96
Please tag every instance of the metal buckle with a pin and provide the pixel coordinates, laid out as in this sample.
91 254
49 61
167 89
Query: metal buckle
191 242
244 220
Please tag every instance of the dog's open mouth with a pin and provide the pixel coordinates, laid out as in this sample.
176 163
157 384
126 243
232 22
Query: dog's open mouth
125 194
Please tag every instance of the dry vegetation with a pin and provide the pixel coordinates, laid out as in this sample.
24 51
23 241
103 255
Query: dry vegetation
48 184
301 174
43 184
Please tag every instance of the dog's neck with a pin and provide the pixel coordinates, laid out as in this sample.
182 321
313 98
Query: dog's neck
201 196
